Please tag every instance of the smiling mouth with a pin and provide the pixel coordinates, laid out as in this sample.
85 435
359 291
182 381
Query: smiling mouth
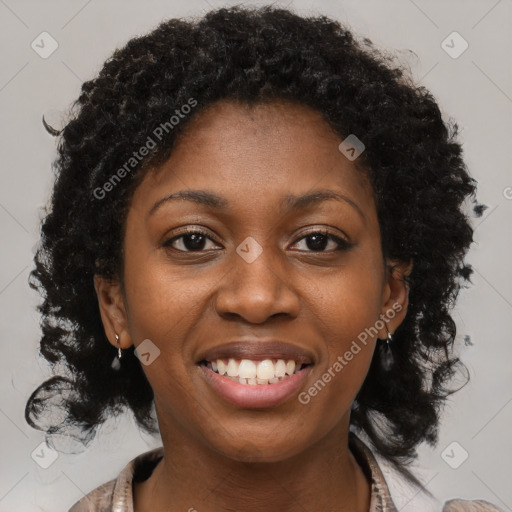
255 372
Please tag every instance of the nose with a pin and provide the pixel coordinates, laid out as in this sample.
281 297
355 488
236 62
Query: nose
258 290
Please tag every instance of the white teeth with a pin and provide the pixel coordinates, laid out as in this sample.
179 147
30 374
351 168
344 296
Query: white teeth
273 380
280 370
263 372
265 369
232 368
247 369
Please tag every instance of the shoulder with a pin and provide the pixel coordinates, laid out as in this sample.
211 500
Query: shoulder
98 500
458 505
399 494
117 493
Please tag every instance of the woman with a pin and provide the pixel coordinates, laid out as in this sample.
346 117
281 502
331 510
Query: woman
257 227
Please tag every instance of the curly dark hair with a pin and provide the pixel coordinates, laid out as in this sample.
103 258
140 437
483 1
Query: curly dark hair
412 159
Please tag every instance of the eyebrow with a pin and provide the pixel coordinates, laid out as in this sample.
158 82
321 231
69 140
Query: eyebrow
288 202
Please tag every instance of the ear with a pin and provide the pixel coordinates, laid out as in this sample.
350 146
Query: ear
395 296
113 311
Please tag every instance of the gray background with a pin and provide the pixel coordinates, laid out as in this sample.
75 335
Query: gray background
474 88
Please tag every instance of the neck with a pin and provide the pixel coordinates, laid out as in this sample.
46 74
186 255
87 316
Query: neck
190 477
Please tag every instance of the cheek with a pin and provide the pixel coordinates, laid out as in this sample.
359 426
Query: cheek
164 307
162 304
348 301
346 307
349 346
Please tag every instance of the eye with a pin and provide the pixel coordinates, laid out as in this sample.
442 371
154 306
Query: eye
195 240
317 241
192 240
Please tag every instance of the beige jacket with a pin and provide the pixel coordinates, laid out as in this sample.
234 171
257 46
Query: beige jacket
116 495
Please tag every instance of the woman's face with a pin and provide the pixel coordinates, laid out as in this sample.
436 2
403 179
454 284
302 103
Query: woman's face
260 270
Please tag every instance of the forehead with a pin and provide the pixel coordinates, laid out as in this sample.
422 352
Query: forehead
263 151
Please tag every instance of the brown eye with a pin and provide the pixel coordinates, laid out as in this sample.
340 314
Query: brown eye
191 241
323 241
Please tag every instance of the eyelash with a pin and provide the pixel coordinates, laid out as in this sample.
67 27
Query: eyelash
343 245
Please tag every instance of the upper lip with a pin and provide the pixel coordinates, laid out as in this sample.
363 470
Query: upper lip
258 351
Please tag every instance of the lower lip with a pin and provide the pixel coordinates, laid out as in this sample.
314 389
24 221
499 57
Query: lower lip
255 396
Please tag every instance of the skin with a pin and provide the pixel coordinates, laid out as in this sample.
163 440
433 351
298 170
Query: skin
219 457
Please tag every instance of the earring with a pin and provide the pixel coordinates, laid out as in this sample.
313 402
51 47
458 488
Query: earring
386 354
116 363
